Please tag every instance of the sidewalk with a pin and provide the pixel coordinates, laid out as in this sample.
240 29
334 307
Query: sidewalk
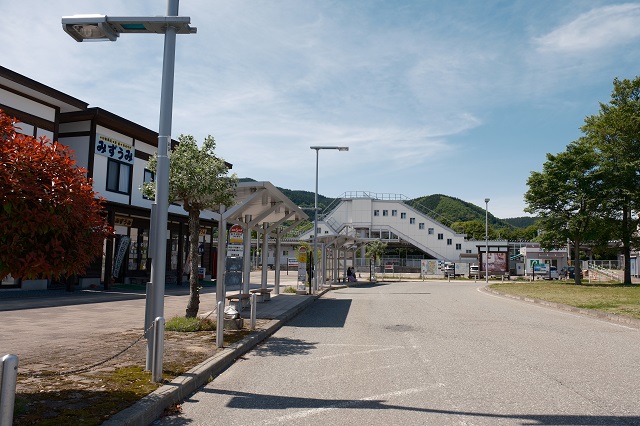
31 325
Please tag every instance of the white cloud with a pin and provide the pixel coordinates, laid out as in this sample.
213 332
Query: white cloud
600 28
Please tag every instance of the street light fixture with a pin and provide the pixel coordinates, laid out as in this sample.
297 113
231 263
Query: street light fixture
108 28
486 239
315 219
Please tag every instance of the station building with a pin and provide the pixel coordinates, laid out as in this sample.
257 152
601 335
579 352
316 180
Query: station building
115 151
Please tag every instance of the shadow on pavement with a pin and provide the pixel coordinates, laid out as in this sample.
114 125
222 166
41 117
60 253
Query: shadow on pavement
282 346
329 313
254 401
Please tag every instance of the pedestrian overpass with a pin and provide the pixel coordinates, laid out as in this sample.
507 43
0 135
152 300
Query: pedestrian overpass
358 217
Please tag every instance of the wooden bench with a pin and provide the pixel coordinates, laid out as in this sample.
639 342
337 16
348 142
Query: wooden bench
242 299
263 294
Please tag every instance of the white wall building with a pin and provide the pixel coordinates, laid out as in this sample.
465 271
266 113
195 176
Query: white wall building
367 216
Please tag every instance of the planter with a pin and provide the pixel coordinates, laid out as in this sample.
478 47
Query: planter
34 284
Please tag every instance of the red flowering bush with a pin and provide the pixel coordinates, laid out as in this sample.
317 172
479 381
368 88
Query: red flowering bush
51 223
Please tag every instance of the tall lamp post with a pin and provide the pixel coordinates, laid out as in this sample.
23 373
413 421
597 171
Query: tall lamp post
108 28
486 239
315 216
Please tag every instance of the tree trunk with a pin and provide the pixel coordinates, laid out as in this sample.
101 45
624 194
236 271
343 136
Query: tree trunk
626 242
576 261
194 293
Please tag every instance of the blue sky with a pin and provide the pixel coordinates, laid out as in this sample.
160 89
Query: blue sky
462 98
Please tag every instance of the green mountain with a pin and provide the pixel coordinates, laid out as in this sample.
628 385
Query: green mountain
449 210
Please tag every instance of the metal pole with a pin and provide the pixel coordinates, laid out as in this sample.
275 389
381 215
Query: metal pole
221 288
158 349
315 228
265 255
159 228
254 308
276 261
486 239
220 325
148 321
8 378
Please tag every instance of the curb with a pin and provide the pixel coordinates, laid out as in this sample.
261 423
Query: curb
631 322
149 408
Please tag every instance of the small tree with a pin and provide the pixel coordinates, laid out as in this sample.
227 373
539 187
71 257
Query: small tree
374 251
51 223
198 179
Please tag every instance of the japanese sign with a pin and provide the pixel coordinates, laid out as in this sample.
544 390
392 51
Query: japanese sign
123 221
112 148
236 237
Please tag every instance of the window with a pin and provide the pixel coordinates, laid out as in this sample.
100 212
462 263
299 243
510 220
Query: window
319 230
468 251
440 236
394 212
458 246
412 220
385 212
403 215
430 231
449 241
149 176
376 212
421 225
285 252
118 176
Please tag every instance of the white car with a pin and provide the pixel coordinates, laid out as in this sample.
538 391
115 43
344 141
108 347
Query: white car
553 274
474 270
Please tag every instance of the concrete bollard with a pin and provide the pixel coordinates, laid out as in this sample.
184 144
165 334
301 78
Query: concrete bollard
158 350
8 378
220 325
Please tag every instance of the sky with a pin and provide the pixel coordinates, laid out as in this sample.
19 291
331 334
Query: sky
462 98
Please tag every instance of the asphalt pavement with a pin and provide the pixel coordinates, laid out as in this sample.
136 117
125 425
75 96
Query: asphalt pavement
26 330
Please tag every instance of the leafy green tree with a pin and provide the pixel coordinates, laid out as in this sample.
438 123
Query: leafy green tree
565 196
199 180
374 251
615 133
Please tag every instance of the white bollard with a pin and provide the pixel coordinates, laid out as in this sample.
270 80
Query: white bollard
254 308
8 377
148 321
220 325
158 350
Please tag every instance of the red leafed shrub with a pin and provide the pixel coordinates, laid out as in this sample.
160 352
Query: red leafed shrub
51 223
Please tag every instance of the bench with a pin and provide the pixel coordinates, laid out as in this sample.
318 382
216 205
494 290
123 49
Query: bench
242 299
263 294
139 280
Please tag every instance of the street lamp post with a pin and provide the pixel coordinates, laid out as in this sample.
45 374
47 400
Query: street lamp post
486 239
108 28
315 217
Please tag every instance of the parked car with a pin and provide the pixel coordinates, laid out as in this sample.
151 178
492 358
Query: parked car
449 269
553 274
474 271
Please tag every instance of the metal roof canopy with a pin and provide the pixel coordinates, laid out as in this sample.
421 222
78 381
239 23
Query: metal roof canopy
259 203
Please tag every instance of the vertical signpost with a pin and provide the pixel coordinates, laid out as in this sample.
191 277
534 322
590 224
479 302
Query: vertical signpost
234 259
302 266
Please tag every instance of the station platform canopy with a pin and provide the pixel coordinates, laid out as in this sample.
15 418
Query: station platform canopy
260 203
